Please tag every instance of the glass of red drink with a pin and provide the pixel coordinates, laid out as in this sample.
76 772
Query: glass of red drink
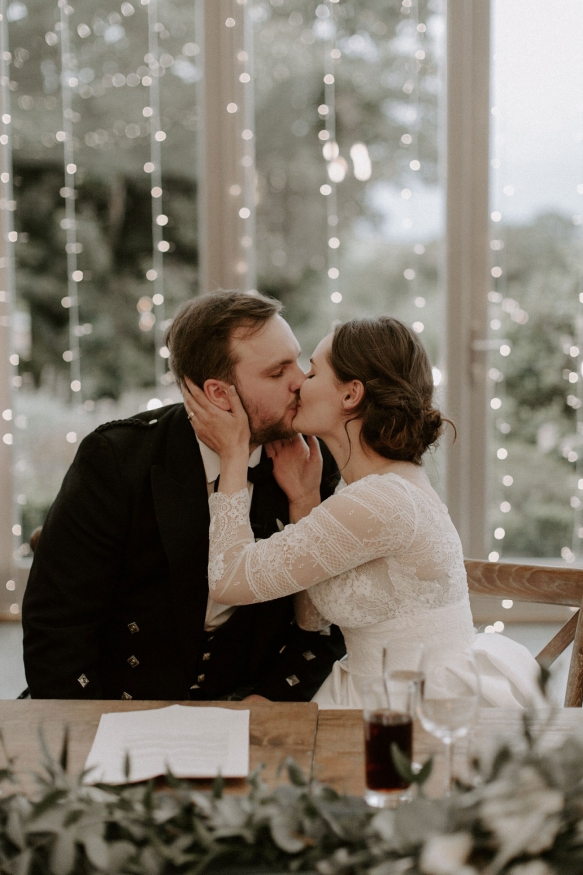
387 721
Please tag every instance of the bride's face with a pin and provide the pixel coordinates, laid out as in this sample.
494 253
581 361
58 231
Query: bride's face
320 407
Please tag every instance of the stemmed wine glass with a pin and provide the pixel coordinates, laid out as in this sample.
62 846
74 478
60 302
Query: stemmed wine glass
404 663
448 706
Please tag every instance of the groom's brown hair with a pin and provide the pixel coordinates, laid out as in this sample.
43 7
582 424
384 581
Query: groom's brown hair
199 339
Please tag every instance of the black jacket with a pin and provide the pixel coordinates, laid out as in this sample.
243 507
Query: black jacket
116 599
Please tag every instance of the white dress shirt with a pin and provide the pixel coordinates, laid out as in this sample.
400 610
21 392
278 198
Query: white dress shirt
217 614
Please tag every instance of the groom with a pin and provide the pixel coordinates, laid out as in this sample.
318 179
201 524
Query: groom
117 602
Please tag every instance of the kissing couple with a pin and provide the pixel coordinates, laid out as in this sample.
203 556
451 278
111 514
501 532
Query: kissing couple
241 482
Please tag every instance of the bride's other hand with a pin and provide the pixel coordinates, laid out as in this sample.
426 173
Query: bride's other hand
224 430
297 467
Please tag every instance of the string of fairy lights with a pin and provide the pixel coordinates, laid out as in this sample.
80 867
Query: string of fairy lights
159 219
7 205
72 247
410 140
501 308
336 164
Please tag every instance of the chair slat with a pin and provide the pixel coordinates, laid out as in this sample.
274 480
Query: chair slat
559 643
574 695
531 583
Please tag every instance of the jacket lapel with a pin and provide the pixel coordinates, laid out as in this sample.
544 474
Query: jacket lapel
181 504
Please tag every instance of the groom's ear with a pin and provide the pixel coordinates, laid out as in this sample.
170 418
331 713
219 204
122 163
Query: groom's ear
217 393
352 395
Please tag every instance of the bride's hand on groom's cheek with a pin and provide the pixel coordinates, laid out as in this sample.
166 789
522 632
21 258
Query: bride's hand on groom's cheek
223 430
297 467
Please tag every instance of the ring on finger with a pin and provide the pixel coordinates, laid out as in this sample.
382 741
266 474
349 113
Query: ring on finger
190 415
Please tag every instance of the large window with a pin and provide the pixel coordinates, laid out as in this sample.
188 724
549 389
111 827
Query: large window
536 309
339 119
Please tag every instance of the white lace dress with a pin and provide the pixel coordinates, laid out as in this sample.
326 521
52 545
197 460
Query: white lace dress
383 561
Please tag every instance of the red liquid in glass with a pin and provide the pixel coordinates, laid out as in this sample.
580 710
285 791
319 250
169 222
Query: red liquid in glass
382 729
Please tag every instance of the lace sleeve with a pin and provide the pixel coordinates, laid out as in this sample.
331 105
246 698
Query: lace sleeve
308 617
374 517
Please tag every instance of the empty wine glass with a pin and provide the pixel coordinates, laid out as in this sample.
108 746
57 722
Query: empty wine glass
448 706
404 663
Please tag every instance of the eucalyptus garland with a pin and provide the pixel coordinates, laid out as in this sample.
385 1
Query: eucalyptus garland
521 814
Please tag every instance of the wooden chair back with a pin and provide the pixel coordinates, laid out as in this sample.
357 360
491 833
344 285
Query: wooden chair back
546 585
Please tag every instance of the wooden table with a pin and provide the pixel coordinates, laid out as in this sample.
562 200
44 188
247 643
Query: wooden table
339 751
329 745
276 730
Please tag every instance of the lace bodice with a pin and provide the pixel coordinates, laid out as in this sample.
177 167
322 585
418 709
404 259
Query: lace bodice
381 548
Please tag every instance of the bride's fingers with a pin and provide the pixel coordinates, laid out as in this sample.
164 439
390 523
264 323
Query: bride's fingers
236 406
313 445
196 395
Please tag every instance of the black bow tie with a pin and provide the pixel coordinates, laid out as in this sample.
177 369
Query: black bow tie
261 473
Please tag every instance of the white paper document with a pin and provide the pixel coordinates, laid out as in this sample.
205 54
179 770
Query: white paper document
191 742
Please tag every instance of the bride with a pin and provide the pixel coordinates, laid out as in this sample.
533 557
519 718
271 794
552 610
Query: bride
380 558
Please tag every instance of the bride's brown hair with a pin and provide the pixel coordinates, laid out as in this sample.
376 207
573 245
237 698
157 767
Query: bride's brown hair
399 420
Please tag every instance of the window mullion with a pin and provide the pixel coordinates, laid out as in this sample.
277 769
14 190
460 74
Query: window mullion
467 153
226 159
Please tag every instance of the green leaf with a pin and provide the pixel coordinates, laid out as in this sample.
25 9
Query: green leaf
64 758
543 679
96 850
424 772
48 801
402 764
127 766
295 774
503 755
62 857
119 853
23 863
285 835
10 760
14 830
218 787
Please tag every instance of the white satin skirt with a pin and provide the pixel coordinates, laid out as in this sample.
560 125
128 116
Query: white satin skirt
508 672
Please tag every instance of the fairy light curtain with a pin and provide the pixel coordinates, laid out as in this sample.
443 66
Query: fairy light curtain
103 100
535 298
91 88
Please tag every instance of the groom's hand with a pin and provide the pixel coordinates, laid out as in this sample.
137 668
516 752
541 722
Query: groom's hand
297 467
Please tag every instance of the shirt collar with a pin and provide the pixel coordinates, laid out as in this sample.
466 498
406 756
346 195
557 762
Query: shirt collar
212 461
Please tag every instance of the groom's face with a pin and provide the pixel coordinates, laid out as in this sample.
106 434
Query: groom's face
268 379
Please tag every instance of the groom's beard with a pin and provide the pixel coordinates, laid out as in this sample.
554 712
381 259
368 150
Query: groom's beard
263 429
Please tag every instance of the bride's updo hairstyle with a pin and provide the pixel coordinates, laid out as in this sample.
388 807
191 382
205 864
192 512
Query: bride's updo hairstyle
399 420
